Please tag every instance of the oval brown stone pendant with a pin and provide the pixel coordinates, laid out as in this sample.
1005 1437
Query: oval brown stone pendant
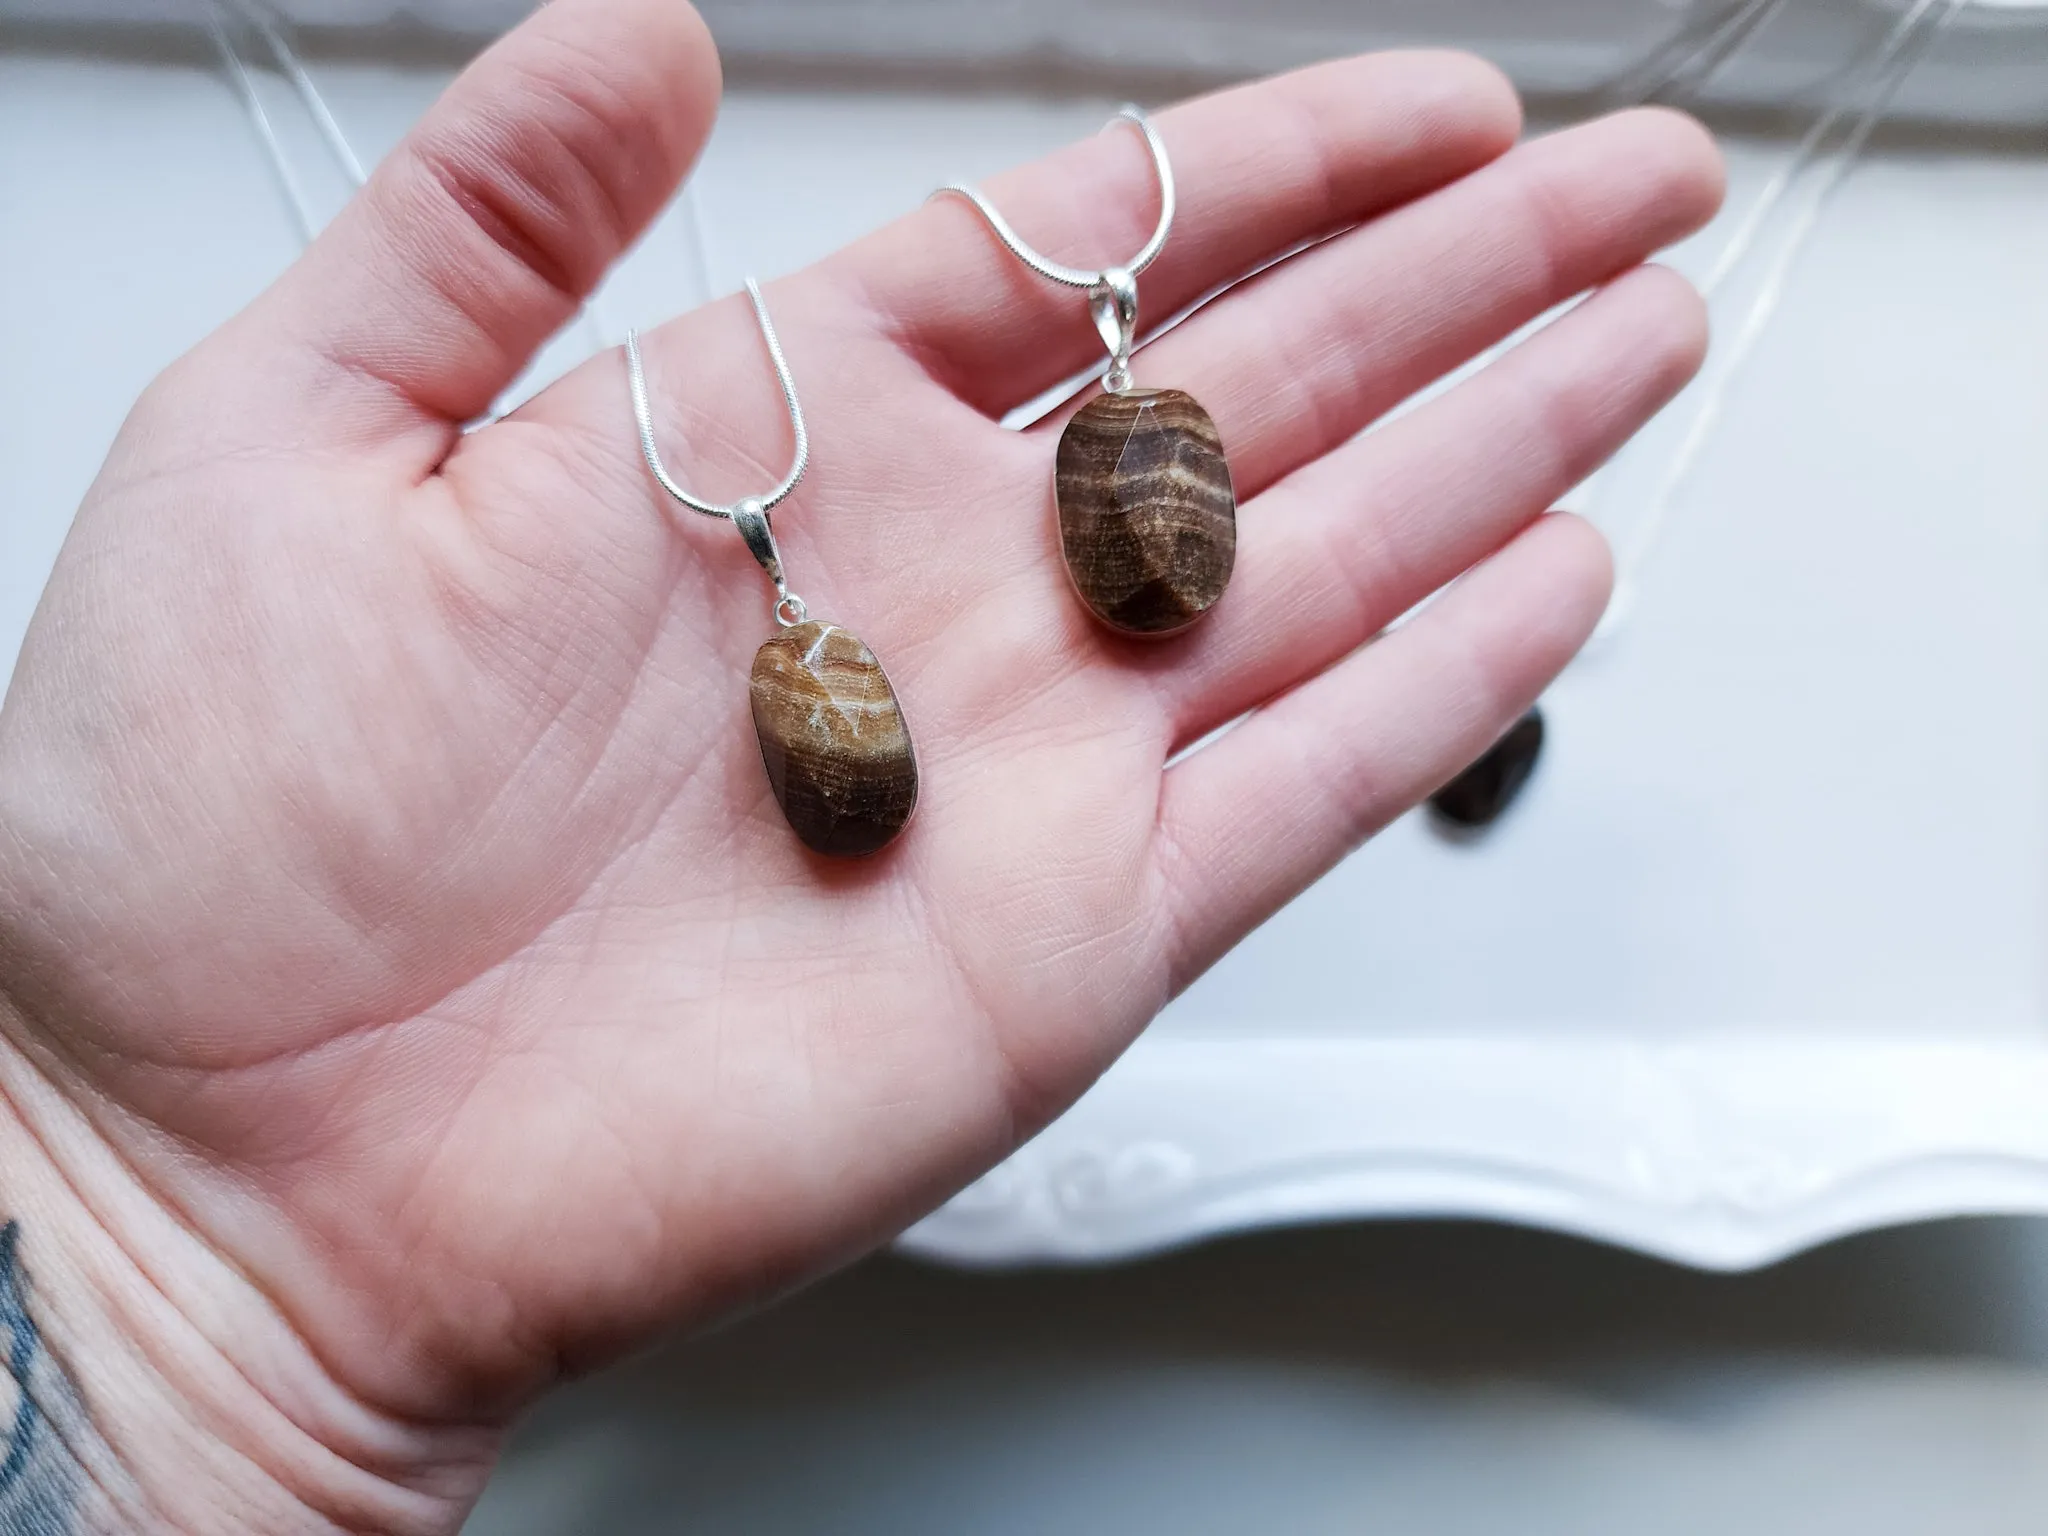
833 740
1148 520
1480 795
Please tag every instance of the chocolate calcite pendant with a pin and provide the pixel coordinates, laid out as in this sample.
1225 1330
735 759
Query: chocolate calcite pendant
1147 516
833 739
1477 797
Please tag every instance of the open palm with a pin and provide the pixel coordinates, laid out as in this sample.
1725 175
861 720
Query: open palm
387 871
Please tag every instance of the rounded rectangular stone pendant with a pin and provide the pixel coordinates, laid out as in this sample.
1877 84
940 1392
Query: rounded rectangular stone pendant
1482 793
1148 519
833 739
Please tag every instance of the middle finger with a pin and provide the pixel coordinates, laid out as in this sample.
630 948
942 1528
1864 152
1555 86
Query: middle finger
1302 357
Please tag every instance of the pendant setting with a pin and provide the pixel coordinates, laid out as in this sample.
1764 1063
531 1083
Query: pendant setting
832 735
1148 519
833 740
1147 513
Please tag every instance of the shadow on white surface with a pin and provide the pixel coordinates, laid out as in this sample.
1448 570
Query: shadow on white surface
1429 1380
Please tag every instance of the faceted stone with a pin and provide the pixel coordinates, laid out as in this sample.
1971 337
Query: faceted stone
1147 516
833 740
1476 797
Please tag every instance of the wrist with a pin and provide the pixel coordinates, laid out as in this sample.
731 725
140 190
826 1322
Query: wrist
148 1384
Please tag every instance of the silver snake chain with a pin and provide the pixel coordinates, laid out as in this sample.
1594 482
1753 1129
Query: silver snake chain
643 413
1083 277
1112 291
750 513
1072 277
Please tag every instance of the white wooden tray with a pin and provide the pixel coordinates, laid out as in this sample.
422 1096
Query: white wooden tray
1723 1155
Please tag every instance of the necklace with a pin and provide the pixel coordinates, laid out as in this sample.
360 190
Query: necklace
1147 515
1479 795
832 735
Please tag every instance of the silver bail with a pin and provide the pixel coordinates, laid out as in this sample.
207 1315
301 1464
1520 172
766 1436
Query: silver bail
1113 302
751 518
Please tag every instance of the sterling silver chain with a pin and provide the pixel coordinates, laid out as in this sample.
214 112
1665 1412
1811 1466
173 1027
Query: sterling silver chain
1112 291
750 513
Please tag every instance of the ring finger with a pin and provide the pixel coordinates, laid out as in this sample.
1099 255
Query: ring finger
1362 534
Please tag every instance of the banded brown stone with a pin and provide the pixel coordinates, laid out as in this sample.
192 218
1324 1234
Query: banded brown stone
1148 519
833 739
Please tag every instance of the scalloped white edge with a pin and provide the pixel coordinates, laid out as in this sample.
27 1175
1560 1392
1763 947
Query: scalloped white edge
1721 1153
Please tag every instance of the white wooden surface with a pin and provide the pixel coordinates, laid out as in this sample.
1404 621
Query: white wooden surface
1991 70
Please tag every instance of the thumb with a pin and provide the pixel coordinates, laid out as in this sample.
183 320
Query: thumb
490 224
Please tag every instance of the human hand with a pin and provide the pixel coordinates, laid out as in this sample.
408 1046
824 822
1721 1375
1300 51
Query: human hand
408 987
